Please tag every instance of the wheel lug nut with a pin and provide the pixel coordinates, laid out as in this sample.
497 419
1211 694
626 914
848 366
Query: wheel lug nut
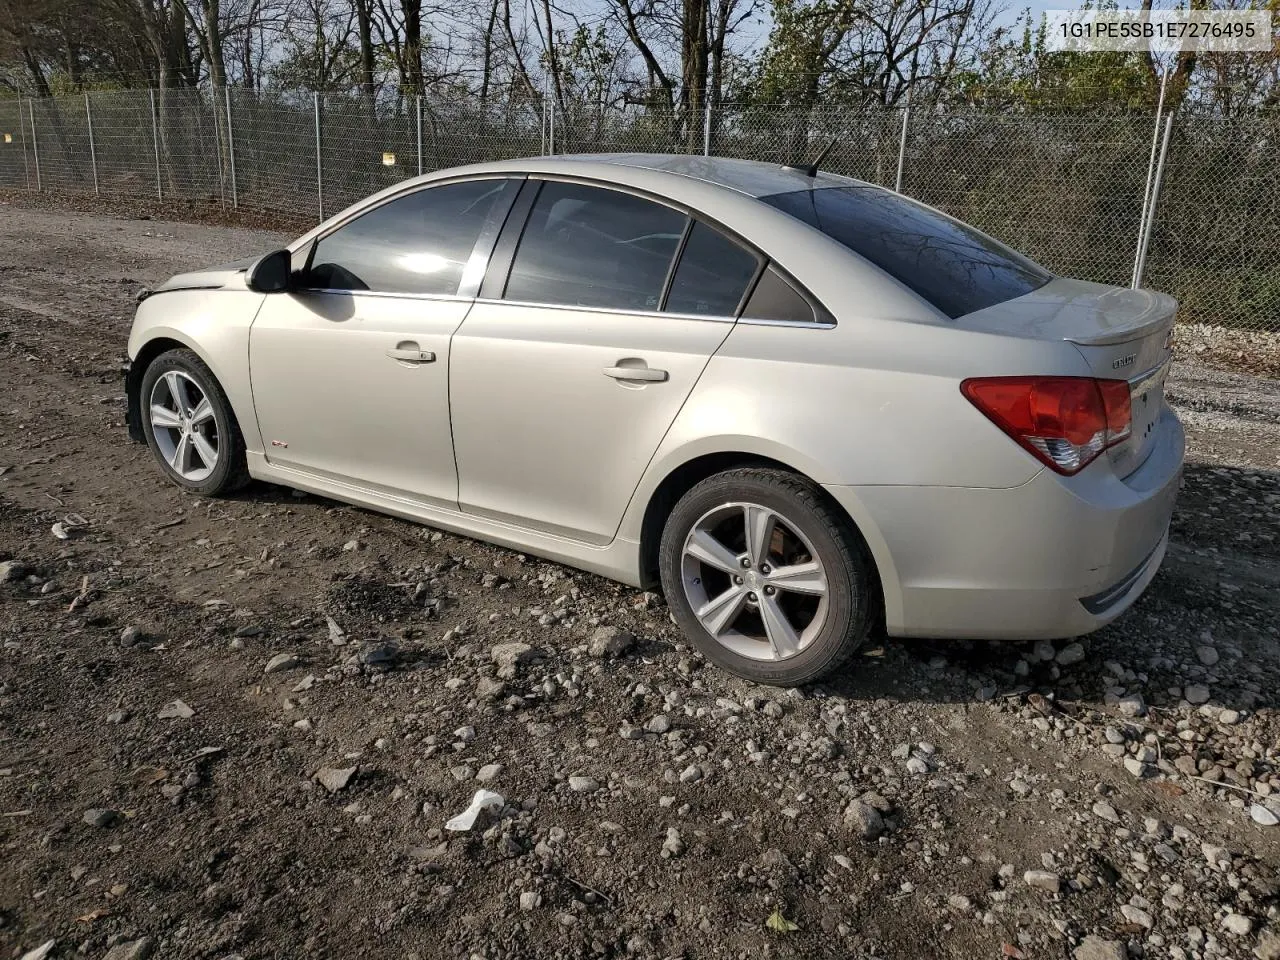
764 568
737 580
746 563
752 597
769 591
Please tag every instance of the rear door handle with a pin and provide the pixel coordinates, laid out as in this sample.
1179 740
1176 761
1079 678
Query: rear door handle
411 355
647 374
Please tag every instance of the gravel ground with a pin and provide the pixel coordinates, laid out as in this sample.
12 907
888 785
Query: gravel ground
236 728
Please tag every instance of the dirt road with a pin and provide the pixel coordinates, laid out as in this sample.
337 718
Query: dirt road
941 801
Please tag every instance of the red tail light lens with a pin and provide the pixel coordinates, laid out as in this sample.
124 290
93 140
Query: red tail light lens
1064 422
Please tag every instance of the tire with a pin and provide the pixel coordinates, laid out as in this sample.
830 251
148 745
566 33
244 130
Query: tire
214 428
825 626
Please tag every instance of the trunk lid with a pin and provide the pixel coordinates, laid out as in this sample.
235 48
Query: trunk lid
1122 334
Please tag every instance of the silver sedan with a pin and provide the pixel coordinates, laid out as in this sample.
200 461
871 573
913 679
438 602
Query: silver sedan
809 407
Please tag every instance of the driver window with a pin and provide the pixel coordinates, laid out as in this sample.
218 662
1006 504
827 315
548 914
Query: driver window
593 247
418 243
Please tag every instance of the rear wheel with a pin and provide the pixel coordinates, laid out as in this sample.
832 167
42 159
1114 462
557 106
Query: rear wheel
189 425
767 577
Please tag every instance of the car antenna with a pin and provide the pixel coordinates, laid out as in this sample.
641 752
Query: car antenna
811 169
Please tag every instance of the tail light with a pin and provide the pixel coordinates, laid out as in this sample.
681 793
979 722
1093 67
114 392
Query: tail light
1064 422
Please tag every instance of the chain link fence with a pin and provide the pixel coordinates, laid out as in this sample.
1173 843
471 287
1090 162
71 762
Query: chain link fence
1073 190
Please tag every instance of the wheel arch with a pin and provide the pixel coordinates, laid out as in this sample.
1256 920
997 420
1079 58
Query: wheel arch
682 477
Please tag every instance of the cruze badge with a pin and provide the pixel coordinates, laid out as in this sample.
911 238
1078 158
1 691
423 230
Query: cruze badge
1123 361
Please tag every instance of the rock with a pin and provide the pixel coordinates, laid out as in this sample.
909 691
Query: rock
351 545
1136 767
1237 924
40 952
1229 718
1207 655
530 900
132 950
958 901
1094 947
100 817
1263 816
334 779
1131 705
12 570
609 642
487 688
509 656
1072 653
465 734
1268 947
864 820
489 772
1215 855
117 716
176 711
1113 735
1137 915
1043 880
673 846
659 724
1043 650
691 774
281 661
1196 693
917 765
378 654
1106 811
337 636
583 785
132 636
305 684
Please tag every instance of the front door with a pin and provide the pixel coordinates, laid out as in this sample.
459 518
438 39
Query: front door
350 372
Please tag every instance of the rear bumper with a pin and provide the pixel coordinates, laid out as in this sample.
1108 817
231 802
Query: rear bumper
132 406
1054 557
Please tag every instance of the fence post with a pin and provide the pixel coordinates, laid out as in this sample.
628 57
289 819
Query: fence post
902 145
706 128
22 132
1151 213
319 165
1138 253
545 99
417 106
231 152
35 141
155 143
93 151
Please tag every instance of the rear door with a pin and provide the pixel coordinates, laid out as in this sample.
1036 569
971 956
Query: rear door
599 313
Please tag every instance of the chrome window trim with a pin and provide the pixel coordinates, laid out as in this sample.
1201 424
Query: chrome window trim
390 295
804 324
613 311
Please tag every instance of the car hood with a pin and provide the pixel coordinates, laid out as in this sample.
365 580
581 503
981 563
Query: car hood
210 278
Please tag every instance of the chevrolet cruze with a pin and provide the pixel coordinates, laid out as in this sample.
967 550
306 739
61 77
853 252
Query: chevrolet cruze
808 406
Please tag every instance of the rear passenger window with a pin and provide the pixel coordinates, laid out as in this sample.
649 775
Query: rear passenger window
591 247
713 274
774 298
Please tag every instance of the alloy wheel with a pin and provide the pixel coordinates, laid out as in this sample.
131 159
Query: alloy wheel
183 425
754 581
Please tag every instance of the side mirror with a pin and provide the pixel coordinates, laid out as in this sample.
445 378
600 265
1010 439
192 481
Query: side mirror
270 274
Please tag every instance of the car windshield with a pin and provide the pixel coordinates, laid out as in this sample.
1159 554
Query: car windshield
952 266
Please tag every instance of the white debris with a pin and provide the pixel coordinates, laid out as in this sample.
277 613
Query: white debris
483 800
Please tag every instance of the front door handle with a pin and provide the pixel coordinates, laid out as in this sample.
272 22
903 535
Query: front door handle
646 374
409 353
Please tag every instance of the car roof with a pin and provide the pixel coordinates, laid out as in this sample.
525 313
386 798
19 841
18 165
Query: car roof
753 178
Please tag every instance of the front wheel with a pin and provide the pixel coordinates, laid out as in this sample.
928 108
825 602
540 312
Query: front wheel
189 425
766 576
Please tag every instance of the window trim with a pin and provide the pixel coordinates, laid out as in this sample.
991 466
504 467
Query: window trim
503 256
476 266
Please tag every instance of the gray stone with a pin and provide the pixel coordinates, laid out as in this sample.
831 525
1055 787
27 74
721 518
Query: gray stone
131 636
1137 915
1072 653
1106 811
489 772
1093 947
673 846
1043 880
1131 705
1268 947
1196 693
1207 655
1237 924
508 657
487 688
1263 816
583 785
378 653
530 900
918 766
609 642
958 901
132 950
659 724
1136 767
334 779
11 570
691 774
100 817
281 661
864 820
1043 650
176 711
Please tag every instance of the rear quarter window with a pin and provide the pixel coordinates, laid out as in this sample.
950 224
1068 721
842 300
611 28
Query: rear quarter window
953 266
